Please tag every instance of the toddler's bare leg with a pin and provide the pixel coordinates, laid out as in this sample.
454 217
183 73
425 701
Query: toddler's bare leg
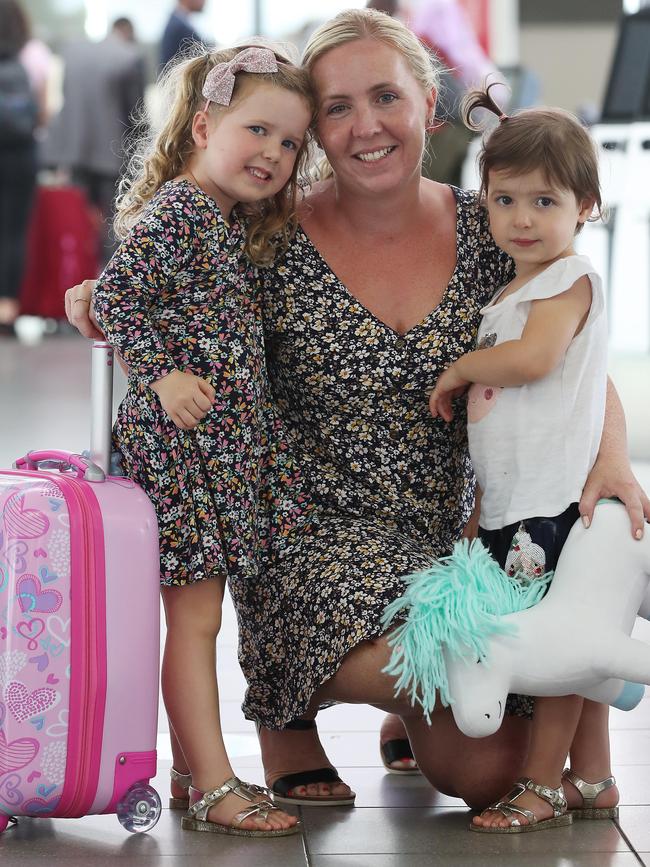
590 756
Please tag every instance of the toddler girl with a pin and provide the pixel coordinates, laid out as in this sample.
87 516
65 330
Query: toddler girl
535 410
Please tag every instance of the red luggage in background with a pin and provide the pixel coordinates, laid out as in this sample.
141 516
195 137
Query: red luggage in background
62 248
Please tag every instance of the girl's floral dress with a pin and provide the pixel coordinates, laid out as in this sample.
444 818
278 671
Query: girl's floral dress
180 294
394 487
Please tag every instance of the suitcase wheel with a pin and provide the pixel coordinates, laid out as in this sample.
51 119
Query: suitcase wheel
139 809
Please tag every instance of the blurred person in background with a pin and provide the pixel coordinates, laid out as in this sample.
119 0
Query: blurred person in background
102 85
178 31
24 71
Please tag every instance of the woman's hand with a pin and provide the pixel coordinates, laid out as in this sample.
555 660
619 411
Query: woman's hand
611 475
612 478
450 385
186 398
78 309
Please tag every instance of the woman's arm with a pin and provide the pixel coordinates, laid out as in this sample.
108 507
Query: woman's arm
611 475
78 309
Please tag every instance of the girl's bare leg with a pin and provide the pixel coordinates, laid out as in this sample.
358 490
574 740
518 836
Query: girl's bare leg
589 754
179 763
189 685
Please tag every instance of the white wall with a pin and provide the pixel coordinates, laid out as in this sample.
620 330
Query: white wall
572 62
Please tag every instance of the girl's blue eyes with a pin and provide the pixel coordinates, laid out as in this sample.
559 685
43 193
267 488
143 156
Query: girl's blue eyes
287 143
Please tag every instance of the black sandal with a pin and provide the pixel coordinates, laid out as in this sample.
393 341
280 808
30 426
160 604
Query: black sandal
285 784
397 750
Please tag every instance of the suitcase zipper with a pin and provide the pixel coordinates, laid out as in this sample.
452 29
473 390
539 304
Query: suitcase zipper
82 774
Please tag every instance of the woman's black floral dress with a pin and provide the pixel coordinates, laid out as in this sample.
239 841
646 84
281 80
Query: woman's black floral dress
180 293
394 486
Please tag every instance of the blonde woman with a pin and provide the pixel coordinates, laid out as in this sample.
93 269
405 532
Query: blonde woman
379 290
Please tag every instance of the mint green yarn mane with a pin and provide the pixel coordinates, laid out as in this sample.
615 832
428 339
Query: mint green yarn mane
454 606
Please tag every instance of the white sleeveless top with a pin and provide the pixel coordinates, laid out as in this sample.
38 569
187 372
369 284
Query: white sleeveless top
533 446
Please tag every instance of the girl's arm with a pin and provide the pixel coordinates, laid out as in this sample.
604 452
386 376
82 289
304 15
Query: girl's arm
141 271
611 475
551 326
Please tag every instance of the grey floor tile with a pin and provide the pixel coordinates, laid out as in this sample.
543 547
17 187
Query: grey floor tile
635 824
415 859
443 831
97 840
376 788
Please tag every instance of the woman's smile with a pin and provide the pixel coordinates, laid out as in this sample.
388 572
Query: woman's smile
375 155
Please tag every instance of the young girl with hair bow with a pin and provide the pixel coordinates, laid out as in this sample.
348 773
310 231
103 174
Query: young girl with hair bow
535 413
211 196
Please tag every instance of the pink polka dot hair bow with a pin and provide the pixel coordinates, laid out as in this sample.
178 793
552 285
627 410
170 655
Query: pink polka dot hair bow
220 81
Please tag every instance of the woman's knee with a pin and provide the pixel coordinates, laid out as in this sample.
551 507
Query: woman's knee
477 770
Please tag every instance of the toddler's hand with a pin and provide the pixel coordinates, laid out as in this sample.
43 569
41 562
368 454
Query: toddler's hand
185 398
449 386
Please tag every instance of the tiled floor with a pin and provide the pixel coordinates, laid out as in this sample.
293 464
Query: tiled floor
396 821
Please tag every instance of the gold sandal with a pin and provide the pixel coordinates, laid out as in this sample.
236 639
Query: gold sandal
184 781
590 792
196 818
554 797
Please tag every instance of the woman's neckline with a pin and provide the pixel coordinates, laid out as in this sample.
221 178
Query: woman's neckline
399 335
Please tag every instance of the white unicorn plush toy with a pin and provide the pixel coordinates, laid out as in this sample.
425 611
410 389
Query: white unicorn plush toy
468 632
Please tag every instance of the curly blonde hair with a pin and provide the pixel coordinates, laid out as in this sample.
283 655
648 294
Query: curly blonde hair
160 154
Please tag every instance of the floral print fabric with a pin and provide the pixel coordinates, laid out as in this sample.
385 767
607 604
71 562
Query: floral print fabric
394 487
180 293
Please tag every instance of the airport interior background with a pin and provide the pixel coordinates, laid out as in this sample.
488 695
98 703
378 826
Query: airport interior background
591 57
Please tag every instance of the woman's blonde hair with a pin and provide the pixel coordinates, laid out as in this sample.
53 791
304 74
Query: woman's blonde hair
354 24
159 155
549 139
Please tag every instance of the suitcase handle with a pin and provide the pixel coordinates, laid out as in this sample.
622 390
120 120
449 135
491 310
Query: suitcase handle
63 462
101 415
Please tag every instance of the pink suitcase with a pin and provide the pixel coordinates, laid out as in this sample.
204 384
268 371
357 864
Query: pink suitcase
79 633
